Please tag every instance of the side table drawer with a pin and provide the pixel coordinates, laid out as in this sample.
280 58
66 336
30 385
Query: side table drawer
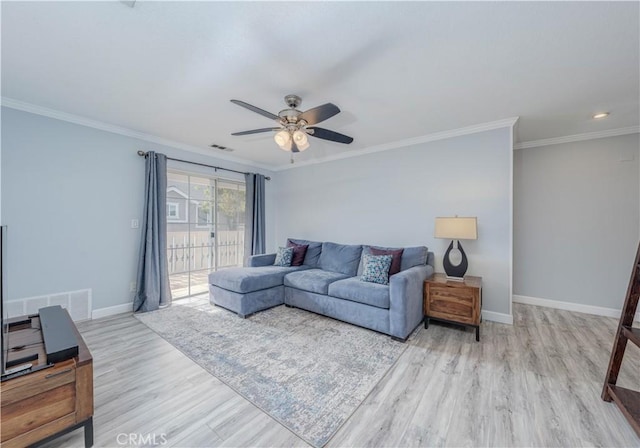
464 295
453 304
450 310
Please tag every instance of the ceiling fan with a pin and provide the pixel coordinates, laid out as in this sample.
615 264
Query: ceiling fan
294 125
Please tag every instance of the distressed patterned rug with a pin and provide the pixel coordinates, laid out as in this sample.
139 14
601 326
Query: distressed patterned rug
307 371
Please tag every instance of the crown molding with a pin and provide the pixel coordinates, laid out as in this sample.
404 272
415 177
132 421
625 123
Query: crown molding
578 137
507 122
83 121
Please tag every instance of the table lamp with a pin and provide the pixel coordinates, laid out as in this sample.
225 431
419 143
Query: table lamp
456 229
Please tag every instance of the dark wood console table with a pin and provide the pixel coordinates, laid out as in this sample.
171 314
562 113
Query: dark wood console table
52 399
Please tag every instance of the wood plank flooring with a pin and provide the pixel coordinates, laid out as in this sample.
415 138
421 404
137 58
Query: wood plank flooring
536 383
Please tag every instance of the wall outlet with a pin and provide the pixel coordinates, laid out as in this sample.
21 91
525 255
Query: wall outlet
133 286
135 224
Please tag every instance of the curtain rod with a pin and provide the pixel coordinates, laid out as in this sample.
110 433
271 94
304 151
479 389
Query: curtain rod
144 154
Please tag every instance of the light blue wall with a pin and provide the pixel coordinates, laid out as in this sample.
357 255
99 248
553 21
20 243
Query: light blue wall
391 198
577 220
69 193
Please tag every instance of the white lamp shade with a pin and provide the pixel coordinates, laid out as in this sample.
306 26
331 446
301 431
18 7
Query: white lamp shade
457 228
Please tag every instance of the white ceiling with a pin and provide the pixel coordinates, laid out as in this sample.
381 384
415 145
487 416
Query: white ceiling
397 70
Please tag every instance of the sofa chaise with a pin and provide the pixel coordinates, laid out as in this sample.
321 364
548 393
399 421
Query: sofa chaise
328 283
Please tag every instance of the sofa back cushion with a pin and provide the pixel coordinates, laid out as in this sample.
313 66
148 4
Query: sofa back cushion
340 258
312 256
413 256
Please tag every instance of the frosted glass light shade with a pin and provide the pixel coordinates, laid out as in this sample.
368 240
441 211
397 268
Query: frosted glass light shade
282 139
286 146
457 228
300 138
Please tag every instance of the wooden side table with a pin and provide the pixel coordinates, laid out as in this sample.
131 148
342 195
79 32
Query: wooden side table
453 301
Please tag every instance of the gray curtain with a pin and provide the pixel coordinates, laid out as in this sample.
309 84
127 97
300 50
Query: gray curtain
254 230
153 289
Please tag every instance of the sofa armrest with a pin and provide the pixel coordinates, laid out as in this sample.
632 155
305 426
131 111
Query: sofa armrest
255 261
406 297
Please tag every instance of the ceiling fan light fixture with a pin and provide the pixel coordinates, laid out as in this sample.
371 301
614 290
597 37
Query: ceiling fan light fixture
292 133
300 138
282 139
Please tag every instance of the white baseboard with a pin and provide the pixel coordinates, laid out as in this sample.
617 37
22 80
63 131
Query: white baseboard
112 310
497 317
570 306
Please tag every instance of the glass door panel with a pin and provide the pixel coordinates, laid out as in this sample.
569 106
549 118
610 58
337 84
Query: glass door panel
230 224
205 229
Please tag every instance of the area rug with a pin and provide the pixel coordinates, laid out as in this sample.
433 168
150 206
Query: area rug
307 371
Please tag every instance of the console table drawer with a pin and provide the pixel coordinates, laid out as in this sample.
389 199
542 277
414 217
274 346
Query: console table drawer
36 383
28 414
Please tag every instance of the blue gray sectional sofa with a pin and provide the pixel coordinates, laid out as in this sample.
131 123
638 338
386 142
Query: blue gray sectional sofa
328 283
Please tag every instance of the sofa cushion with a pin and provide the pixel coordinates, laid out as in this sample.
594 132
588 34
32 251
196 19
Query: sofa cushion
357 291
376 268
414 256
299 252
312 280
340 258
251 279
313 251
395 253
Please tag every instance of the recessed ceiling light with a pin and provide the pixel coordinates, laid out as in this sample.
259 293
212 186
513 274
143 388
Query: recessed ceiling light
601 115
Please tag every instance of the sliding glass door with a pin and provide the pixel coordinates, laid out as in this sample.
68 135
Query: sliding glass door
205 229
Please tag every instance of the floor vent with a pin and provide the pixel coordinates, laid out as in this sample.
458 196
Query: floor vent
78 303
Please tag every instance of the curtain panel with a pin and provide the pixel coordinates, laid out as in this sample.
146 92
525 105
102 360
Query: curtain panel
153 289
254 233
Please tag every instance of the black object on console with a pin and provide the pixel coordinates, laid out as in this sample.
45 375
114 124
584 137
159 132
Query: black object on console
60 340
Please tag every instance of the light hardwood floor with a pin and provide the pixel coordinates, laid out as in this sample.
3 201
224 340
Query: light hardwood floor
536 383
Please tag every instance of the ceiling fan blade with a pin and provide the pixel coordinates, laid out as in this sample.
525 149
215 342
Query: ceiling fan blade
294 147
257 110
326 134
255 131
320 113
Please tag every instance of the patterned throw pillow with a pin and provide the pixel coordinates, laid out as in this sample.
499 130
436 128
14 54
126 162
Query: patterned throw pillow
395 253
376 269
284 256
